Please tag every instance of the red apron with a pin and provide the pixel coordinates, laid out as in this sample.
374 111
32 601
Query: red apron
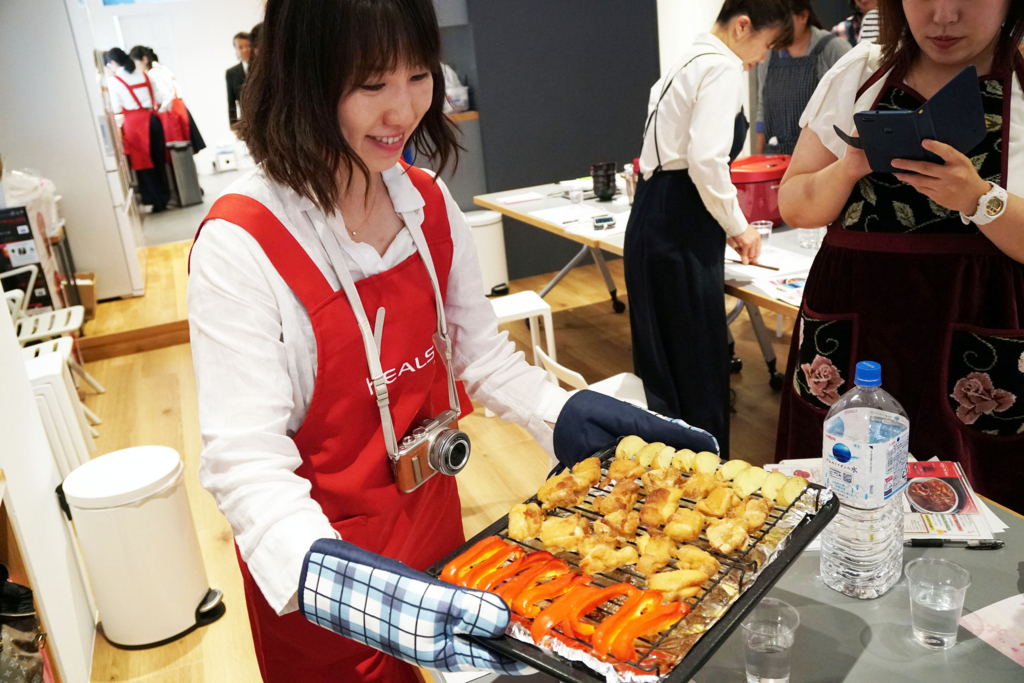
341 439
135 130
175 122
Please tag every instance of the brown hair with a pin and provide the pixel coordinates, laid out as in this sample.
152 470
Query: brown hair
899 49
311 54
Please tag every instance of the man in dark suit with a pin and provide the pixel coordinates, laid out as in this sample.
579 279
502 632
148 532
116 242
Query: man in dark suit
236 75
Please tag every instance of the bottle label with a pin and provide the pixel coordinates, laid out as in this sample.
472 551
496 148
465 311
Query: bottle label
865 455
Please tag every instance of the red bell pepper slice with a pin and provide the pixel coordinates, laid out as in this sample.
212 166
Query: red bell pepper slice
491 564
558 611
498 576
455 570
574 619
610 629
531 577
656 620
525 603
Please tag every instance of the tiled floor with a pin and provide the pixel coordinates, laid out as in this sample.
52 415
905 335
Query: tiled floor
175 225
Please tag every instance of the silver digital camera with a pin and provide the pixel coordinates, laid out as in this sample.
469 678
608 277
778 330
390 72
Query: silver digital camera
434 446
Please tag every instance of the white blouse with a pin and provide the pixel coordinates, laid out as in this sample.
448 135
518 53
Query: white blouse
255 362
167 83
835 102
121 97
695 124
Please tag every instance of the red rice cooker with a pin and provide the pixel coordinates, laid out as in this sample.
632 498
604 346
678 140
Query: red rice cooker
757 180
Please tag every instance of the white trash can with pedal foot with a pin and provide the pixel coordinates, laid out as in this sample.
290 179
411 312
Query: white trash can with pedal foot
135 529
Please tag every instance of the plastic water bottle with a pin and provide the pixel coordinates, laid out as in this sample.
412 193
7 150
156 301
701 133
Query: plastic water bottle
865 447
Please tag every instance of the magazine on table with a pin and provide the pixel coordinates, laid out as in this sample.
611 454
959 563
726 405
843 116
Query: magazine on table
938 501
789 290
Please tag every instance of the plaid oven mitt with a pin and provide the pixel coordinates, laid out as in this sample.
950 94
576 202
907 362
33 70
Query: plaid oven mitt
385 604
590 421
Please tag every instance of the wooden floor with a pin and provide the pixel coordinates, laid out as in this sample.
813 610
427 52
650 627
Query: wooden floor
151 399
158 319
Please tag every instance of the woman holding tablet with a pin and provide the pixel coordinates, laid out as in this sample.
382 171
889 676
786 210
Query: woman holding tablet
921 270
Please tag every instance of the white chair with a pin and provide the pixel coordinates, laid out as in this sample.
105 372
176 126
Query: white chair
65 423
30 328
64 346
527 306
624 386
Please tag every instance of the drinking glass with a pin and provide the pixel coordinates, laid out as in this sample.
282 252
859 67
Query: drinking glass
576 196
937 590
768 640
764 229
811 238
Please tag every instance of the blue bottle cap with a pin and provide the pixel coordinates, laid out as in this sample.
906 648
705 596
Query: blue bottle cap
869 374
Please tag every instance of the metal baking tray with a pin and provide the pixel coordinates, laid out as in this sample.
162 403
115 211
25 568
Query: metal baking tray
739 560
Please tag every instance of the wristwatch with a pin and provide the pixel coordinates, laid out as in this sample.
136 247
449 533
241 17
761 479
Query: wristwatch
990 207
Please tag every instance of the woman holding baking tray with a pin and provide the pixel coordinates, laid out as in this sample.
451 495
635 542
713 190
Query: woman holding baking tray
921 270
686 210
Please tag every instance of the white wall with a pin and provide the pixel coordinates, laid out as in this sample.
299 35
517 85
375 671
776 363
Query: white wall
193 39
46 124
679 22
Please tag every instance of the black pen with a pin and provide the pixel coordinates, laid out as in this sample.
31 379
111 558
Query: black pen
987 544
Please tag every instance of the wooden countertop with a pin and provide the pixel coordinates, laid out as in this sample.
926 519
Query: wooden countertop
464 116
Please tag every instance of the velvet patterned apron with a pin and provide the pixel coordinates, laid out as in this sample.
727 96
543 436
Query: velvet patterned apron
902 281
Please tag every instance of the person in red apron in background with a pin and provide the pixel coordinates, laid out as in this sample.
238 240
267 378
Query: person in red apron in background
135 98
177 120
922 270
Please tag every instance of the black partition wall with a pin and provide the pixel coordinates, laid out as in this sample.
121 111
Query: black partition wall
561 84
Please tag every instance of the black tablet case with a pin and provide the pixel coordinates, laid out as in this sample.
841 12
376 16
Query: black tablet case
954 115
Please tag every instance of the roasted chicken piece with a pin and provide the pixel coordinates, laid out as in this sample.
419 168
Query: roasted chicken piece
524 522
725 535
563 490
623 470
666 478
621 525
588 470
684 525
718 502
601 553
622 497
655 551
751 513
692 557
564 533
677 584
699 485
659 506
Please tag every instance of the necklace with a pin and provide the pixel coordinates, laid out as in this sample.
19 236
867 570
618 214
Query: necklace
369 213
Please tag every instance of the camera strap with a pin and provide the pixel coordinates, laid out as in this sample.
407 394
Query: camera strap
442 342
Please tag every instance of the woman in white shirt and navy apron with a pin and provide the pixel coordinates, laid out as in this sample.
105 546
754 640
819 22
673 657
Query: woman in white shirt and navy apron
686 210
136 98
335 302
923 270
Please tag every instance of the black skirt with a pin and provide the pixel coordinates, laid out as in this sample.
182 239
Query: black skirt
674 266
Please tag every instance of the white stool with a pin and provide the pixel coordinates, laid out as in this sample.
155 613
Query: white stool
527 306
624 386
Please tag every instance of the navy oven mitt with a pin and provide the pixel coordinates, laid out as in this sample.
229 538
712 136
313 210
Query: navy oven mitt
393 608
590 422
